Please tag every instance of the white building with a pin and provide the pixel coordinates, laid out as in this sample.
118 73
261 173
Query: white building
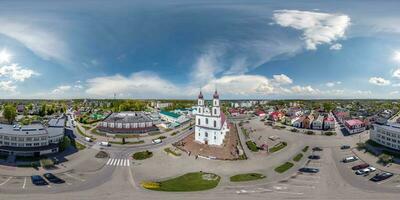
211 126
386 135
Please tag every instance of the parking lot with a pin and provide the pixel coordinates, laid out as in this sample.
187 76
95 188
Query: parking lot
24 183
364 179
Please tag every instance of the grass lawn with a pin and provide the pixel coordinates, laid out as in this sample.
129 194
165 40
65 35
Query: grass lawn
195 181
278 147
298 157
246 177
141 155
252 146
79 146
284 167
169 151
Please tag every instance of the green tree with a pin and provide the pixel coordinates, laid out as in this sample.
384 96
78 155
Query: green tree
64 143
10 113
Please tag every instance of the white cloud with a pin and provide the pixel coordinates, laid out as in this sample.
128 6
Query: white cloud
336 46
42 42
332 84
396 56
379 81
318 28
282 79
304 90
16 72
363 92
137 85
61 89
7 86
394 93
396 73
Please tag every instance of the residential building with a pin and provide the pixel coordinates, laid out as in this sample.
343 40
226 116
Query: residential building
354 126
329 123
318 123
307 122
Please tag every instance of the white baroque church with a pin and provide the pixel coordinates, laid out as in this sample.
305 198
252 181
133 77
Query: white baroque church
211 126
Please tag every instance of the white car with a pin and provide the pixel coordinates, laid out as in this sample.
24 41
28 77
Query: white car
365 171
350 159
106 144
156 141
88 139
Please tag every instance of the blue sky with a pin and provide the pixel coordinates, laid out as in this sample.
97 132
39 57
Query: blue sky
172 49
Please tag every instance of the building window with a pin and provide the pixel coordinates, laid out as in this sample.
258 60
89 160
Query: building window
206 134
206 120
215 123
198 121
215 111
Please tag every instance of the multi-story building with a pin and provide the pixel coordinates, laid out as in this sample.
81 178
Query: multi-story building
211 125
354 126
127 122
31 140
386 135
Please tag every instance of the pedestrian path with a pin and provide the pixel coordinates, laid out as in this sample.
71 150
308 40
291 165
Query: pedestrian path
118 162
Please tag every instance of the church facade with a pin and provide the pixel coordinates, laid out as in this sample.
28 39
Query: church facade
211 126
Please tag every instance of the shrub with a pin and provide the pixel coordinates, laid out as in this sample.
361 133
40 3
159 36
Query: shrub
305 149
252 146
310 132
101 154
150 185
284 167
298 157
65 143
142 155
385 159
47 163
329 133
278 147
169 151
294 130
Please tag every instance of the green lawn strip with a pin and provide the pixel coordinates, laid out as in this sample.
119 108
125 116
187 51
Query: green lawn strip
127 142
79 146
298 157
141 155
278 147
246 177
83 134
169 151
196 181
284 167
305 149
252 146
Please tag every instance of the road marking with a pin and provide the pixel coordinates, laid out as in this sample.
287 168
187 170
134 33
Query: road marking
23 186
113 161
284 192
128 162
108 162
117 164
304 186
6 181
74 177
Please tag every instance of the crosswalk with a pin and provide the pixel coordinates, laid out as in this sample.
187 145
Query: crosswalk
118 162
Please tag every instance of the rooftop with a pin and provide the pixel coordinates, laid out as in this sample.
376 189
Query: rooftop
170 114
127 117
353 122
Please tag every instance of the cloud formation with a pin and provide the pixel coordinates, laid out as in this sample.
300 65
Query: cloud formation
318 28
379 81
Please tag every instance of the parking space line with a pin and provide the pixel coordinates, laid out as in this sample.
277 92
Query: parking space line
6 181
23 186
74 177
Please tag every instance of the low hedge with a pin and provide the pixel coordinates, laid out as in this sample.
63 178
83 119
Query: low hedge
305 149
278 147
252 146
284 167
298 157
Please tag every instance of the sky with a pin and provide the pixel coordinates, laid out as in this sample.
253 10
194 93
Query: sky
173 49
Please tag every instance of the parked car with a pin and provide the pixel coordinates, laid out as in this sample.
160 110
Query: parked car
308 170
38 180
345 147
350 159
314 157
317 149
106 144
88 139
52 178
381 177
365 170
360 166
156 141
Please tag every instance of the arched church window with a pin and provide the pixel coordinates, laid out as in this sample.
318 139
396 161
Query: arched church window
215 123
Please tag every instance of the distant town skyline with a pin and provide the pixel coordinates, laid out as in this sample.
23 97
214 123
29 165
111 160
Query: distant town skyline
172 50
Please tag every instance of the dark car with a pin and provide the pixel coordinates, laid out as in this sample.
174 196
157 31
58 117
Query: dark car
52 178
317 149
38 180
381 177
345 147
314 157
360 166
308 170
